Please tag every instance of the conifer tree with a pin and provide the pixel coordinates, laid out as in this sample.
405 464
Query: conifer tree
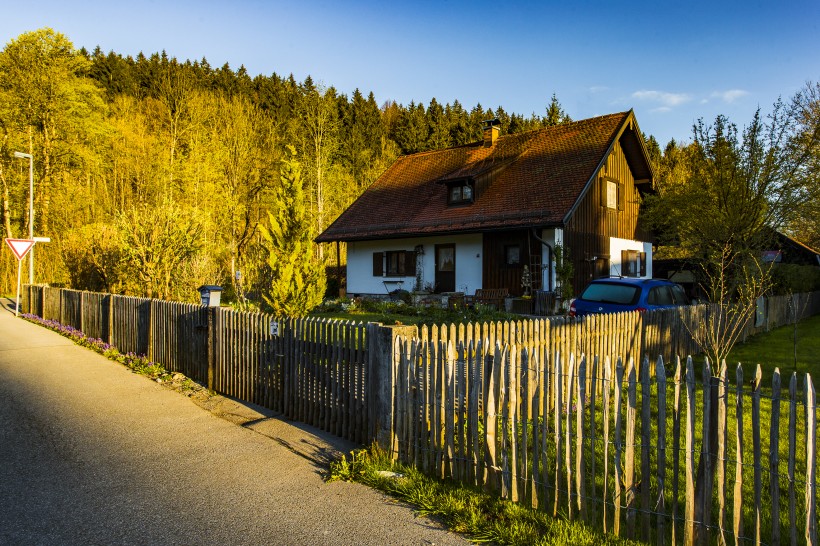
555 114
297 278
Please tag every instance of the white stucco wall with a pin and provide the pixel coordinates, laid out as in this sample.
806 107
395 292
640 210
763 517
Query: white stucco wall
360 279
617 245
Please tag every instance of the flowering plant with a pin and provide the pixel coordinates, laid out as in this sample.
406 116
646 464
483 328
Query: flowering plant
139 363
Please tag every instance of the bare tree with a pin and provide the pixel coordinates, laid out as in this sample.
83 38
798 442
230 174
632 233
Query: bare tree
733 283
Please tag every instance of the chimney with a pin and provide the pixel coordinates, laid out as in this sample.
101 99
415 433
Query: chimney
491 132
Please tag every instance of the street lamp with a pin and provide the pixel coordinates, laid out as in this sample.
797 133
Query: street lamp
21 155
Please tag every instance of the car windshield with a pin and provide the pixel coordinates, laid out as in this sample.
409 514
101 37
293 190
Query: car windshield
623 294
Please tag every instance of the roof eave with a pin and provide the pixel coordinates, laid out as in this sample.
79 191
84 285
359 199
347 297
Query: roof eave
435 233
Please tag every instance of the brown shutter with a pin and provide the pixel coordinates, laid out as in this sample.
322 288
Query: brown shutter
643 263
602 196
410 263
378 264
621 196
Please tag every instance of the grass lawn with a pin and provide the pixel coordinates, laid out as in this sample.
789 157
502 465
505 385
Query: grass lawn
390 312
777 349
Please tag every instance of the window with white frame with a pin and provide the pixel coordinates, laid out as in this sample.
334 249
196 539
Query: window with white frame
633 263
394 263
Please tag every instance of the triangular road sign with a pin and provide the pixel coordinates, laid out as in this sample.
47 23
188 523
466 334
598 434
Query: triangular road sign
20 247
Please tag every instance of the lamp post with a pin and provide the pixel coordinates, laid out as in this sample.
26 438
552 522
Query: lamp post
21 155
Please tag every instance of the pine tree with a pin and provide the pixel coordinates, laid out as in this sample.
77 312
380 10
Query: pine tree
555 114
297 278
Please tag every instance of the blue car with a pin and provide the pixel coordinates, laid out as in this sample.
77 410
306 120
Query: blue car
614 295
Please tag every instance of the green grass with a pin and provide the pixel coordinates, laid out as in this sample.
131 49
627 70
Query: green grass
390 312
480 516
777 349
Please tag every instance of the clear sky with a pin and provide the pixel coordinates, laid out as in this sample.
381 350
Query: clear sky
673 62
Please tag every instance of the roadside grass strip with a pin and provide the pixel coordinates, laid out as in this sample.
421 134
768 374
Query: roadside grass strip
480 516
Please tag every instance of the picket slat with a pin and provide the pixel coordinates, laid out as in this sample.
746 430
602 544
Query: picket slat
580 405
607 389
645 446
792 458
616 408
738 493
720 470
660 375
774 457
811 463
689 456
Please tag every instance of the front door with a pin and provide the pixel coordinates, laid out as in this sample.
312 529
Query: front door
445 268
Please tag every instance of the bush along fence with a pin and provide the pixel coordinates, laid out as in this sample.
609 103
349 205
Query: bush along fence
634 446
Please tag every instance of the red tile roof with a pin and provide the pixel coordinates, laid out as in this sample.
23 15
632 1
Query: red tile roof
540 176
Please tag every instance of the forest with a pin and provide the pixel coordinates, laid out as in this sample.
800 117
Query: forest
154 176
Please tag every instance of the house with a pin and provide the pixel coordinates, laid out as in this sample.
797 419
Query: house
778 249
474 216
787 250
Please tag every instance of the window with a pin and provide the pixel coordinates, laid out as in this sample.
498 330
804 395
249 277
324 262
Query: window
679 295
512 255
600 267
394 263
660 295
446 259
633 263
612 194
623 294
460 194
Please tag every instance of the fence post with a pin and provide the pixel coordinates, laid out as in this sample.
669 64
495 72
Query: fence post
82 312
382 362
211 312
110 339
149 351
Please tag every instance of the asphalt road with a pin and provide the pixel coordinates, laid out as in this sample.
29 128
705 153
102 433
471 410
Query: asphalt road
93 454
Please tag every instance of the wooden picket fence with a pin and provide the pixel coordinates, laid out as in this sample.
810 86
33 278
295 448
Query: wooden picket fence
515 407
311 370
612 446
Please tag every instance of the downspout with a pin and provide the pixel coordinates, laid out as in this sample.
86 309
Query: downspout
549 257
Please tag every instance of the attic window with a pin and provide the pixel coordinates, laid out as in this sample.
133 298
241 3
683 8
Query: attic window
612 194
460 194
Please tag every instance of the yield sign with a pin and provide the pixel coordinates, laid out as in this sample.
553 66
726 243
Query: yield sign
20 247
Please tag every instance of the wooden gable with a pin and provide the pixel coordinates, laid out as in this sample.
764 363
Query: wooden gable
597 218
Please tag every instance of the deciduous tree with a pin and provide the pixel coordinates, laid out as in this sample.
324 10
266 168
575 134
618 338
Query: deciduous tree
157 242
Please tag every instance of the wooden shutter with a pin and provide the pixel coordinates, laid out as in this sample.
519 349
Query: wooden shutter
621 196
378 264
410 263
643 263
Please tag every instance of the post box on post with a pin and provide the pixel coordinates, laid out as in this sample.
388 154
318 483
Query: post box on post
210 295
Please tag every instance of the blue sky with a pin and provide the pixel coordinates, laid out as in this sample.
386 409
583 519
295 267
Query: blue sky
672 62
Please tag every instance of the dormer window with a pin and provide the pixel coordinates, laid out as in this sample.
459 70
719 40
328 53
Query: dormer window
460 194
